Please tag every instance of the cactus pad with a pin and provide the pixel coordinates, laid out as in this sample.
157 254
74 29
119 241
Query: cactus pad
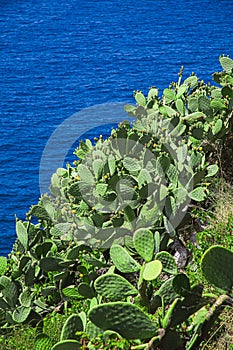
67 345
21 313
167 291
124 318
43 342
25 298
168 262
9 290
3 265
22 235
72 325
140 98
152 270
226 63
92 330
122 260
114 287
86 290
144 243
217 268
198 194
50 264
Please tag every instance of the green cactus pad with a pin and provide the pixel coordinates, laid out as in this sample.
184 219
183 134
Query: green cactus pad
72 325
216 265
218 104
3 265
85 174
140 98
9 291
227 91
114 287
122 260
181 284
198 194
204 104
152 270
51 264
124 318
157 241
181 109
22 234
71 292
43 342
21 313
167 291
144 243
92 330
86 290
212 170
25 298
39 212
168 262
217 127
67 345
132 165
226 63
111 164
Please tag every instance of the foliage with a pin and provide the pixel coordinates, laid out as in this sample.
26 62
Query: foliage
103 237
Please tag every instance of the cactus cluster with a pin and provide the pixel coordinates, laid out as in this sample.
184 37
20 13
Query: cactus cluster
104 232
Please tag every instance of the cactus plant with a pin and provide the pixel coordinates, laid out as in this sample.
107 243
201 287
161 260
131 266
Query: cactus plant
3 265
72 325
168 262
152 270
144 243
122 260
124 318
9 290
21 313
66 345
114 287
25 298
226 63
43 342
216 265
22 234
127 195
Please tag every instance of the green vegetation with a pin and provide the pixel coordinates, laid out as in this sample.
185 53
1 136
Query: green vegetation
115 260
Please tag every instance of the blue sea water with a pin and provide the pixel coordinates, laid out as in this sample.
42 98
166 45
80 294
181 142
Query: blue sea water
59 57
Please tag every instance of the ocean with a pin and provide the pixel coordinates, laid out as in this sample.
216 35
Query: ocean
64 58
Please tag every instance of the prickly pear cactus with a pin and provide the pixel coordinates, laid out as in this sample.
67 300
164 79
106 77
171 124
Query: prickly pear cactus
43 342
168 262
72 325
92 330
144 243
21 313
226 63
167 292
22 234
3 265
67 345
122 260
124 318
217 267
114 287
9 290
152 270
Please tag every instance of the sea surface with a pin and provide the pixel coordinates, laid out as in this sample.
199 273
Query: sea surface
58 58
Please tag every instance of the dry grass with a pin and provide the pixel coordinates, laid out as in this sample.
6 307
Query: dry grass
222 337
